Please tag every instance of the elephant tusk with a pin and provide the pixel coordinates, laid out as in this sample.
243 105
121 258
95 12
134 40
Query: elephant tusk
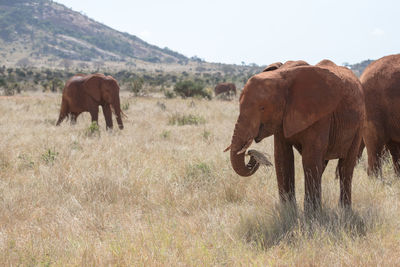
228 148
245 147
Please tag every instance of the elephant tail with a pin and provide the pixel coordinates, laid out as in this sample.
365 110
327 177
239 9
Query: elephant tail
122 113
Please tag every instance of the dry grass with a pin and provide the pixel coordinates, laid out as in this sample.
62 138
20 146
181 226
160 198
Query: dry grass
165 195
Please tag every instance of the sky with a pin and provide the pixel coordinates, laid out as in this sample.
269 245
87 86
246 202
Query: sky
256 31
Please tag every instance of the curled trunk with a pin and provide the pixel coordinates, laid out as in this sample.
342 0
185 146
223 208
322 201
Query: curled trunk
238 152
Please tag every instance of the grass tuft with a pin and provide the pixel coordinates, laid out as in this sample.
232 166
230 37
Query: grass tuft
182 119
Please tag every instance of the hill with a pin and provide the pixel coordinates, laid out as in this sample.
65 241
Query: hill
33 31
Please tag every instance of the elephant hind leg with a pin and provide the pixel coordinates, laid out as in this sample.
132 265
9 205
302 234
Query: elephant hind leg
107 116
345 169
63 112
394 149
94 113
374 142
74 116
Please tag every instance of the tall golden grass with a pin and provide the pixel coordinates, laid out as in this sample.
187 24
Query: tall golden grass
162 194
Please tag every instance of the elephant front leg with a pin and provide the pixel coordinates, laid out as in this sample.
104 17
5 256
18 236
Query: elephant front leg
107 116
313 166
284 168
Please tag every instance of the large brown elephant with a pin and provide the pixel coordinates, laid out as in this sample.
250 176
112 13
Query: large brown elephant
229 88
316 109
88 92
381 84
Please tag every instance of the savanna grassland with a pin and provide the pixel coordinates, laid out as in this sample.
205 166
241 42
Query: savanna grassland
162 193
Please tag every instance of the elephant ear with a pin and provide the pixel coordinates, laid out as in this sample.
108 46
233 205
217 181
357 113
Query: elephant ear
313 94
92 87
273 66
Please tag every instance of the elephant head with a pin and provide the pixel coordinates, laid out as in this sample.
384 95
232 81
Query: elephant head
285 101
105 89
273 66
288 64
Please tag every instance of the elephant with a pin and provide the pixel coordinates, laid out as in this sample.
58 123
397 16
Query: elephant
319 110
85 93
288 64
225 88
381 85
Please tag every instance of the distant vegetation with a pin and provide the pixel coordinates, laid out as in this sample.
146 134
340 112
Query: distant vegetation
198 84
359 67
190 88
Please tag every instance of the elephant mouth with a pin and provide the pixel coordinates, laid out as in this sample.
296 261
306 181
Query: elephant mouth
259 137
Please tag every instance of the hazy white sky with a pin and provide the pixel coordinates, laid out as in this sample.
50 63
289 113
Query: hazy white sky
256 31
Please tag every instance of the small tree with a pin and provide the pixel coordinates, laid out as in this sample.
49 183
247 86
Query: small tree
136 85
189 88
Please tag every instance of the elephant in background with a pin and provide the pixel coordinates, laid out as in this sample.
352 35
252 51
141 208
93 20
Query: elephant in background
381 85
315 109
88 92
229 88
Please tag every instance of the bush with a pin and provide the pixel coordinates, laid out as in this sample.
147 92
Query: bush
93 130
136 86
190 119
49 156
169 94
189 88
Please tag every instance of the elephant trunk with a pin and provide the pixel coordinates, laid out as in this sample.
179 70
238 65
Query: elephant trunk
238 151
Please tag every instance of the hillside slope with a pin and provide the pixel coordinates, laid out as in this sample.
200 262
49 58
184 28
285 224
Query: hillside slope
44 29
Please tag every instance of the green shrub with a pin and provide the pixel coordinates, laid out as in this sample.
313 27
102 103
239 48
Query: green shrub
166 134
161 105
169 94
136 86
190 119
49 156
93 129
125 106
189 88
198 176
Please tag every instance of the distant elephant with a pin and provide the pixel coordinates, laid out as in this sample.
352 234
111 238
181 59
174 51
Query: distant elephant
225 88
88 92
288 64
315 109
381 85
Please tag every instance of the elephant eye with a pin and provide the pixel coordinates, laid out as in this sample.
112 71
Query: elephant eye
262 108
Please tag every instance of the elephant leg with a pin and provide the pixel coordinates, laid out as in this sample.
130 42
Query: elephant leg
346 168
375 153
394 149
74 116
284 168
107 116
313 149
63 112
313 166
94 113
374 143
